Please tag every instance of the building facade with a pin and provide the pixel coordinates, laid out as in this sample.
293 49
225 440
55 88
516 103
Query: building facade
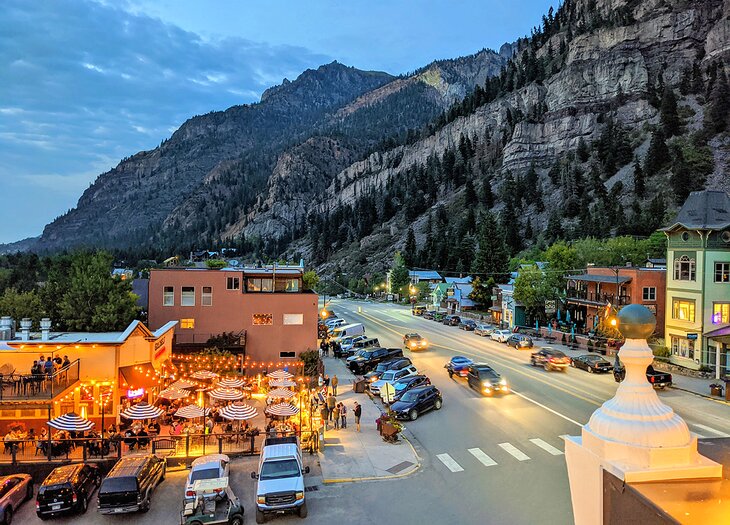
697 326
266 308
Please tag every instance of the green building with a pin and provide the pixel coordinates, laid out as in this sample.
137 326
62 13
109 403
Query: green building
697 325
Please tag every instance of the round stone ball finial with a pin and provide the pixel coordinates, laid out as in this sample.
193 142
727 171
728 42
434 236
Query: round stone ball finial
636 322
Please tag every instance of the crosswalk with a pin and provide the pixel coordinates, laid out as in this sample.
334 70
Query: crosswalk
503 453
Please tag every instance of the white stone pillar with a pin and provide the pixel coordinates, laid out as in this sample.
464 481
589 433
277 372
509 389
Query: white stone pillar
634 436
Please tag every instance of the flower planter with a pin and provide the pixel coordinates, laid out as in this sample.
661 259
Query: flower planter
716 391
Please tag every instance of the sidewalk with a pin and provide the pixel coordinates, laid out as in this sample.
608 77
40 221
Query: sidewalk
357 456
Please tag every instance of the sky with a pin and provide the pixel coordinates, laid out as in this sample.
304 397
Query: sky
85 83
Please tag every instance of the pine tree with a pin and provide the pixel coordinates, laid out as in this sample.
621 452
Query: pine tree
529 233
639 182
554 230
654 215
658 155
716 116
668 113
491 256
410 250
487 196
470 194
681 179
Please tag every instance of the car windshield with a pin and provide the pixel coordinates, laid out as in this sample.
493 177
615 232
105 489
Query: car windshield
556 353
593 358
409 397
208 473
388 376
400 386
366 354
488 374
286 468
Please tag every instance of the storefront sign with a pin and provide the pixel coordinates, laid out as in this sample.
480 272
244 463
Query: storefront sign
692 337
134 393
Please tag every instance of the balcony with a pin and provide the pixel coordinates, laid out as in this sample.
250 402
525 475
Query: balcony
228 339
25 387
593 298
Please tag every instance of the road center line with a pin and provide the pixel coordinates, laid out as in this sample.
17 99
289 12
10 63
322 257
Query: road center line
450 463
513 451
546 446
710 429
523 396
482 457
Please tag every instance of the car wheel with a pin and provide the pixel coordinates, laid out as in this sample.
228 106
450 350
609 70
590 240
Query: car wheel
164 473
572 363
590 369
84 504
8 516
29 495
413 414
532 362
546 367
260 516
437 405
451 374
236 520
303 510
147 503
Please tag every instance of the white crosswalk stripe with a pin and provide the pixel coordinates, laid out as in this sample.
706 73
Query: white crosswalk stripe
482 457
546 446
450 463
514 451
710 429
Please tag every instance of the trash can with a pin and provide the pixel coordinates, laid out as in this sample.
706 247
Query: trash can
359 386
727 390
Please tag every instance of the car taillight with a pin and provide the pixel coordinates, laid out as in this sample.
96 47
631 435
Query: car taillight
74 498
552 359
190 494
651 379
37 505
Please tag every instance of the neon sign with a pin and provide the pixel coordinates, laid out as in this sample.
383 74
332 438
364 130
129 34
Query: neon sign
134 393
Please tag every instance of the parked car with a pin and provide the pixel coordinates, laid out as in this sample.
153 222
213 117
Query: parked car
438 317
485 380
483 329
428 314
129 485
550 359
333 322
397 363
417 401
520 341
67 489
391 376
592 363
500 336
659 380
415 341
458 365
347 344
212 466
452 320
468 324
418 309
15 490
408 383
369 359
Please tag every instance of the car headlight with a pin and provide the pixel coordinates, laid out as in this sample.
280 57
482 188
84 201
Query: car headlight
503 382
300 495
487 384
261 500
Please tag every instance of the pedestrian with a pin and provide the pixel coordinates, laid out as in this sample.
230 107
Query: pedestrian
335 381
336 416
327 382
320 381
331 402
337 352
325 416
357 412
48 367
343 415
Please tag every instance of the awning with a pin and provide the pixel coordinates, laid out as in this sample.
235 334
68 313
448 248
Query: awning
495 308
720 332
142 375
592 278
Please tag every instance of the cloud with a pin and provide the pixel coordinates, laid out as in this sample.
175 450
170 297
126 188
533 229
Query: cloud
85 84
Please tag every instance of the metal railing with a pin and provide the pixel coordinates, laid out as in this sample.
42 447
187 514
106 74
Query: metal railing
596 297
38 386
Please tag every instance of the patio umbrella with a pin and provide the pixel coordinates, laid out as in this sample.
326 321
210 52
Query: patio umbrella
71 422
282 409
282 382
192 411
281 392
142 411
280 374
182 384
238 412
173 393
203 374
227 394
231 383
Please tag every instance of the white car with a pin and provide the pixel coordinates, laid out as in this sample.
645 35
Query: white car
211 466
348 342
391 376
500 335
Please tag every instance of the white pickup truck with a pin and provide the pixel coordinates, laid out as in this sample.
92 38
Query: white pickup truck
280 486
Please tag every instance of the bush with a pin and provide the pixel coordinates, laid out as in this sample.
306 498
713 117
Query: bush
311 362
216 264
661 351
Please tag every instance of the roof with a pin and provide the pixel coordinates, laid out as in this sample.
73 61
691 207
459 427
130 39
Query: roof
703 210
459 280
210 458
61 474
424 275
719 332
657 261
279 451
593 278
97 337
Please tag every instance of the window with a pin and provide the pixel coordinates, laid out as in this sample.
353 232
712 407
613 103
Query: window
292 285
720 313
684 269
293 318
168 296
187 323
649 293
233 283
683 347
206 298
188 296
263 319
683 309
287 355
722 272
259 284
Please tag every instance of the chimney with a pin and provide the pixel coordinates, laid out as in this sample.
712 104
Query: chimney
25 324
629 264
6 328
45 329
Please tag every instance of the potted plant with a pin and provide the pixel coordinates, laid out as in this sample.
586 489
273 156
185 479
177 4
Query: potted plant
716 389
389 426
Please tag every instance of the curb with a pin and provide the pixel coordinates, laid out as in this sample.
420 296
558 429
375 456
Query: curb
716 400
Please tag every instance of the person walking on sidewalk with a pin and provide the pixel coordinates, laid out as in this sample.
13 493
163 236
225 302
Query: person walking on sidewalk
336 416
335 382
343 415
331 402
358 413
327 382
325 416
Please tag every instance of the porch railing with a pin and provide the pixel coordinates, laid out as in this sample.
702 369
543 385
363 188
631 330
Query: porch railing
16 387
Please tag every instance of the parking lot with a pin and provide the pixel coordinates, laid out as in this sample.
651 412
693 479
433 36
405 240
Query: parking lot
167 499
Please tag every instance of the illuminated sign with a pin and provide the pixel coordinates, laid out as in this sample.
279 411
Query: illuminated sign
135 393
160 351
717 318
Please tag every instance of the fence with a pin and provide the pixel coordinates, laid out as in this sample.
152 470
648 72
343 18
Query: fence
38 386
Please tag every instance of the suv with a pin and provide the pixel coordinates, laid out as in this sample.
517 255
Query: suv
483 329
128 486
415 341
414 402
452 320
392 364
212 466
392 376
468 324
67 489
368 342
485 380
520 341
550 359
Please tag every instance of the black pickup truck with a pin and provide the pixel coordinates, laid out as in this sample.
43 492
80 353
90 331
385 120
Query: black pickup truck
657 379
366 360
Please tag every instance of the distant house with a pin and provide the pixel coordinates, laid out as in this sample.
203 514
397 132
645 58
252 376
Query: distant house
459 280
439 295
123 273
458 300
428 276
656 263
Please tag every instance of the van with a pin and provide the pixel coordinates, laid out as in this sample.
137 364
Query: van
128 486
348 330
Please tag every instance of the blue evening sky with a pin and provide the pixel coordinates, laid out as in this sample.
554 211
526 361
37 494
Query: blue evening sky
86 83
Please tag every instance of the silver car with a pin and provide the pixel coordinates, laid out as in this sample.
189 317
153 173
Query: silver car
483 329
14 490
500 335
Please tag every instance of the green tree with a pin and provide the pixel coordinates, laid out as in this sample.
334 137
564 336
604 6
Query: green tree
491 257
470 194
639 181
531 289
410 250
657 157
399 278
561 259
215 264
21 304
310 280
668 114
716 117
481 291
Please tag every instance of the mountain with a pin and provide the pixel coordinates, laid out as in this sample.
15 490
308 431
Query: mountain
598 124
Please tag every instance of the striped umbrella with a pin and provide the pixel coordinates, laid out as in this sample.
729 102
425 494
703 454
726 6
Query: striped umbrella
182 384
231 383
280 374
203 374
71 422
228 394
192 411
282 382
173 393
281 392
282 409
238 412
142 411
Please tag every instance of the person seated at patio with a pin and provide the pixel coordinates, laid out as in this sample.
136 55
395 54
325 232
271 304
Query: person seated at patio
129 438
66 362
10 441
176 428
35 369
142 438
153 428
